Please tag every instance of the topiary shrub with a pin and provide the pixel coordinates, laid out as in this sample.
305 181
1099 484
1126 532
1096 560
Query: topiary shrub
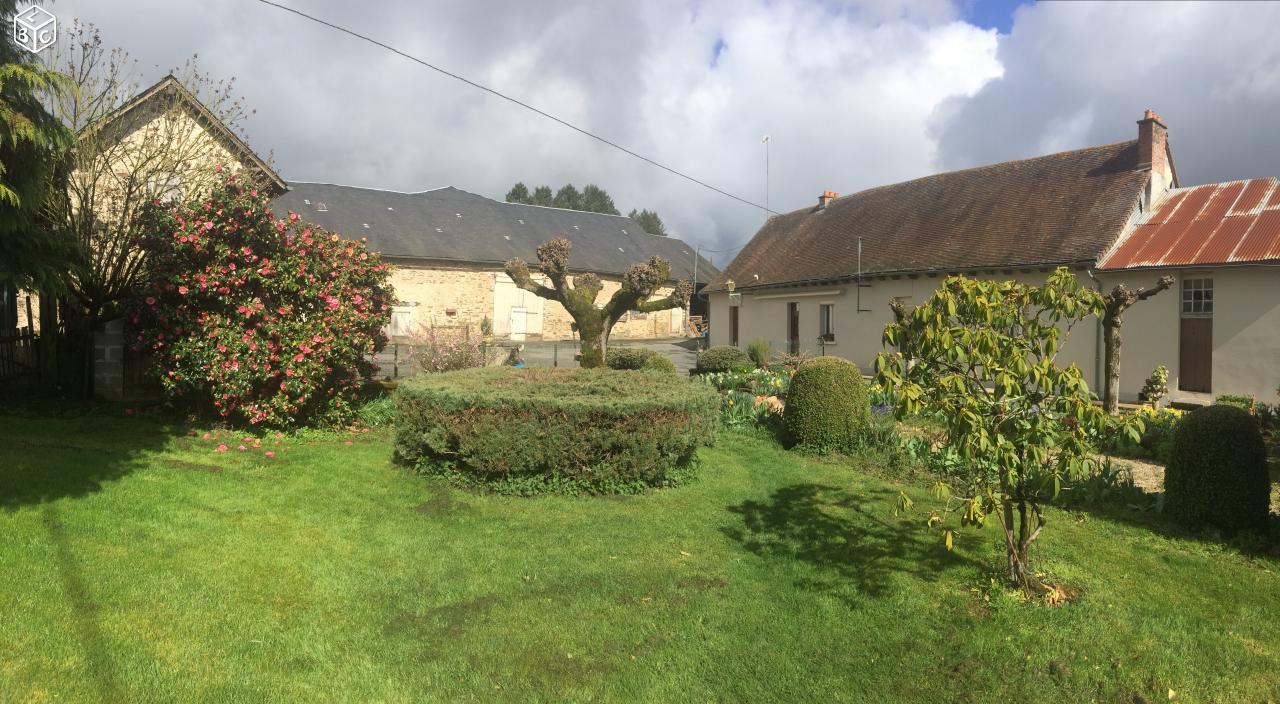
827 406
529 431
627 357
656 362
721 358
1217 472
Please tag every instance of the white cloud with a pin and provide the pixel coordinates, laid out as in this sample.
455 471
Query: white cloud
1080 74
845 89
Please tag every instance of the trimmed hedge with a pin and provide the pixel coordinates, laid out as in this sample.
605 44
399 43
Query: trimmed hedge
531 430
827 406
721 358
1217 473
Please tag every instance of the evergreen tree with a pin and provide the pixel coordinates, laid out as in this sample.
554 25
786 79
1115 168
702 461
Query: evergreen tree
30 141
649 221
597 200
519 193
542 196
568 197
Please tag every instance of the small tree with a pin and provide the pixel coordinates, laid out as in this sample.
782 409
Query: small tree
1115 304
984 360
519 193
640 282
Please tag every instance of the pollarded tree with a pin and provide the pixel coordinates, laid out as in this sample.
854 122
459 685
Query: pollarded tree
640 282
984 359
1116 303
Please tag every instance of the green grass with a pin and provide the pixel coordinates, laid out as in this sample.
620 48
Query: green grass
138 564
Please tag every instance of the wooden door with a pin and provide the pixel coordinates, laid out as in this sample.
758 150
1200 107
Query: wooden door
1195 355
793 327
733 325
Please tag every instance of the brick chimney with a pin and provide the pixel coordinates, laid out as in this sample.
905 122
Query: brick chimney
826 198
1153 155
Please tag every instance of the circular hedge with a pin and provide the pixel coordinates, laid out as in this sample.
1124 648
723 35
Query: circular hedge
1217 473
536 430
627 357
721 358
827 407
657 362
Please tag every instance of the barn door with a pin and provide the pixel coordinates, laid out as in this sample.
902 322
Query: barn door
517 323
793 327
1195 337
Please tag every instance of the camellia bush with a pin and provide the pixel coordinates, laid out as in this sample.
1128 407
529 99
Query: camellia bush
256 319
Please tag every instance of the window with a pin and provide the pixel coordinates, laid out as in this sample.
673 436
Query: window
826 325
1197 297
733 325
401 321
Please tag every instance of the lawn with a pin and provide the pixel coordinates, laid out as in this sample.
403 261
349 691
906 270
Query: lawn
140 564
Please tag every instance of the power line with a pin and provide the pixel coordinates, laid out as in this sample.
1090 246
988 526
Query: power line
522 104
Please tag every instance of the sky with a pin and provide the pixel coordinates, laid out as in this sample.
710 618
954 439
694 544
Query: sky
852 94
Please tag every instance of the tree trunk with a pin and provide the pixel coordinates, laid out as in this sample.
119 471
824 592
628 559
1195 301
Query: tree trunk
1111 353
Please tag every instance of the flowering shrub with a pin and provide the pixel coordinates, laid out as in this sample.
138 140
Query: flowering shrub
1156 439
446 350
259 320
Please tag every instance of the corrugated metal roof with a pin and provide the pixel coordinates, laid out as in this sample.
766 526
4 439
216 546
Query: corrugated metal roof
1218 223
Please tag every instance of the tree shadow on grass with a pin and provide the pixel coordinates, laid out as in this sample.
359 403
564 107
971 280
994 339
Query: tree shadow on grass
848 536
47 459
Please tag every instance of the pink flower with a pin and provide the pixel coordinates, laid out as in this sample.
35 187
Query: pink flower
221 448
208 225
242 448
269 454
182 290
218 167
151 300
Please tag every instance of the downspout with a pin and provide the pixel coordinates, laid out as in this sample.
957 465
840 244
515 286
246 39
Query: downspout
1098 341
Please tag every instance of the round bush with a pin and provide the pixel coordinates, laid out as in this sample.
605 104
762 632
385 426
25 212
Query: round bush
1217 472
721 358
627 357
530 430
827 407
657 362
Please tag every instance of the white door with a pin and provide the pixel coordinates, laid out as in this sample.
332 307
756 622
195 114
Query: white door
677 320
516 323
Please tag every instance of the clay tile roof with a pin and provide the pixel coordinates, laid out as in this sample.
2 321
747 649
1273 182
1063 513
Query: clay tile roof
1218 223
1057 209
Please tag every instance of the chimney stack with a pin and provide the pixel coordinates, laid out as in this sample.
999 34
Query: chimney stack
826 198
1153 155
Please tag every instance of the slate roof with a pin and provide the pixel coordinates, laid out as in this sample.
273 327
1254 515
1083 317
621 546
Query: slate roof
452 225
1235 222
1059 209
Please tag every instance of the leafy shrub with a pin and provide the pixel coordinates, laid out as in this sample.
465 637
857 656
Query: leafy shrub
827 407
1156 440
527 431
258 320
627 357
759 352
791 362
721 358
1156 387
1217 474
437 350
659 363
1248 403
